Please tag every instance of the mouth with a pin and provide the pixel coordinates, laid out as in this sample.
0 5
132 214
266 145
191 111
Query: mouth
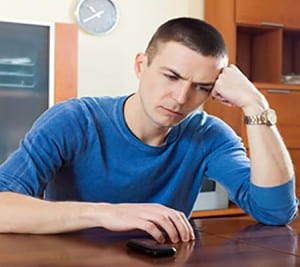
172 112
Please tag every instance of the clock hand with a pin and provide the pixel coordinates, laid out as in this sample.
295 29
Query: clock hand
92 9
98 15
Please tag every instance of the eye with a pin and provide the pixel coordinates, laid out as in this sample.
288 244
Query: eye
171 77
204 88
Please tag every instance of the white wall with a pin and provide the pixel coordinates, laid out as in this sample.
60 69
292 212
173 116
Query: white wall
106 62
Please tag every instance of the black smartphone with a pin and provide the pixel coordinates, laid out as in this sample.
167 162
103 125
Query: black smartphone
151 247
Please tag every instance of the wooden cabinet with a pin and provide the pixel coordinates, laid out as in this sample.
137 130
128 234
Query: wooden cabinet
286 103
282 13
263 40
295 154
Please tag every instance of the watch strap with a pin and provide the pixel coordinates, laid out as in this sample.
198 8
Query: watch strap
267 117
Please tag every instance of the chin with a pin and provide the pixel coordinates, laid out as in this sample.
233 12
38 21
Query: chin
168 121
169 124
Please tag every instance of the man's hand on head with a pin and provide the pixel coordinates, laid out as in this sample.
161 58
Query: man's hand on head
232 88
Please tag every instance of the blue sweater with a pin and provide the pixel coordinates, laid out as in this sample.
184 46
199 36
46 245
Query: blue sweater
82 150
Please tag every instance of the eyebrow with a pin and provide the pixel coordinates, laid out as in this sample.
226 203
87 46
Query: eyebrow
186 79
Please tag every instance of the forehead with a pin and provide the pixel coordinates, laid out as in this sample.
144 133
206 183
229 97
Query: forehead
187 62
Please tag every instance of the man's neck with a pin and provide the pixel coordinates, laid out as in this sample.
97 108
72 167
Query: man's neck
140 125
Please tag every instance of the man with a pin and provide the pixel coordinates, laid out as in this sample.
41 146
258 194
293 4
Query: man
137 162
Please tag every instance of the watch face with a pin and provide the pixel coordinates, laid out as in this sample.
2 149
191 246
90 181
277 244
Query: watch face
96 16
271 116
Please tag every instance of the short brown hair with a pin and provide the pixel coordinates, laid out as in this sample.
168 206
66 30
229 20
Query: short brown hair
193 33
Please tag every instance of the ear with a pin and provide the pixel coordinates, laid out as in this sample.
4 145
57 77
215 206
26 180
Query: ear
140 63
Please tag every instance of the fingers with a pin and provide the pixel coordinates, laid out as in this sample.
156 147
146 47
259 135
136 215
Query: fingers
224 101
157 220
152 229
230 87
183 227
173 223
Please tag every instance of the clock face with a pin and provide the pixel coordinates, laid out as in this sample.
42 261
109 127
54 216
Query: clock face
96 16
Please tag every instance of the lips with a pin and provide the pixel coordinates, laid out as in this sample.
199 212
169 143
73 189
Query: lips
172 111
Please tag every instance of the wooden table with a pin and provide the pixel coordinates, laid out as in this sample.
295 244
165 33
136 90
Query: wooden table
226 242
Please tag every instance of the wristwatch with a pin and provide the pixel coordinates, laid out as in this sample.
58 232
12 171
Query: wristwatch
267 117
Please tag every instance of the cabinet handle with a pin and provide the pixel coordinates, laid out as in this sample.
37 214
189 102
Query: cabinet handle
278 91
273 24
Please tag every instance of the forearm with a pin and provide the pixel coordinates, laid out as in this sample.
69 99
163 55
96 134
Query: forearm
24 214
271 195
270 161
271 164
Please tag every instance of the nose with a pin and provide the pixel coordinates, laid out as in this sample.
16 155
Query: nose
181 93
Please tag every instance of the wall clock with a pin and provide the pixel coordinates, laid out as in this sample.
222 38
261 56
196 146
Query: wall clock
96 16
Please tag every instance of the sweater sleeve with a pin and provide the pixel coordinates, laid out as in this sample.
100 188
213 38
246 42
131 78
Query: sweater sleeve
51 142
228 164
274 205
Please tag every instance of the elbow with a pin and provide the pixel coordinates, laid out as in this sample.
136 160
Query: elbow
277 218
275 206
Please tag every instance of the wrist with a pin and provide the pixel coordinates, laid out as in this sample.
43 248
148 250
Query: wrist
256 106
93 214
267 117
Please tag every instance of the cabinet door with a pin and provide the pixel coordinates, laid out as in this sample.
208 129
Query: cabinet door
269 12
221 14
291 14
231 115
66 61
295 155
286 103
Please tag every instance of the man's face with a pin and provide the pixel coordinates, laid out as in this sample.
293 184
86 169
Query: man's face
177 82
